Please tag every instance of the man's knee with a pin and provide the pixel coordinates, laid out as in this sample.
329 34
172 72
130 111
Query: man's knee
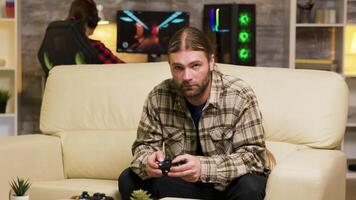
125 175
128 181
253 182
249 186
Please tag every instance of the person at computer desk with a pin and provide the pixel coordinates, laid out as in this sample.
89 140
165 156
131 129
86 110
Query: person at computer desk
86 12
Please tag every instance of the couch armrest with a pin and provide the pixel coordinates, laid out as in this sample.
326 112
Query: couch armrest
37 157
309 174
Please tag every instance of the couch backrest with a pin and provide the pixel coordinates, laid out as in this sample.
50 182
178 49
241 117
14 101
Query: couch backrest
98 97
307 107
299 106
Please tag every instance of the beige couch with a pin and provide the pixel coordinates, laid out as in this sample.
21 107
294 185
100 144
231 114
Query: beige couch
89 117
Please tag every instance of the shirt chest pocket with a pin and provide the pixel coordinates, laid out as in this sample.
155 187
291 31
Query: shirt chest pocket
221 133
174 141
222 139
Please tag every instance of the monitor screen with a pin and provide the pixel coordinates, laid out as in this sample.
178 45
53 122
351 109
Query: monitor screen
147 31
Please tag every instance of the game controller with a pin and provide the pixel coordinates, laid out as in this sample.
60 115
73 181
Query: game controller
166 165
96 196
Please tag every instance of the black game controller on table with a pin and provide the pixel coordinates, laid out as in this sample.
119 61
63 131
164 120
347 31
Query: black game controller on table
96 196
166 165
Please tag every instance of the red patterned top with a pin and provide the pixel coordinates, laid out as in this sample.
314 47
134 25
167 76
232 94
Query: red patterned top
105 55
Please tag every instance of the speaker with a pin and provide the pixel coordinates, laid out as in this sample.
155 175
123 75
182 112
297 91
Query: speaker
232 30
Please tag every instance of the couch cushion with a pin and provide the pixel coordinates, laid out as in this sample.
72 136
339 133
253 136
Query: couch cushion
317 174
282 150
96 154
64 189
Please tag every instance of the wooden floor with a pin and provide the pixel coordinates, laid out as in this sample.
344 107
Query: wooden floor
351 189
351 182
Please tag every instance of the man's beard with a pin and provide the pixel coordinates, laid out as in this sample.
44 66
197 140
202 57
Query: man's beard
190 90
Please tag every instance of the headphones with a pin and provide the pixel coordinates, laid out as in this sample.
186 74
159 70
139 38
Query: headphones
94 19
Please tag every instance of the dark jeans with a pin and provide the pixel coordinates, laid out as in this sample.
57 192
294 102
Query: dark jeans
247 187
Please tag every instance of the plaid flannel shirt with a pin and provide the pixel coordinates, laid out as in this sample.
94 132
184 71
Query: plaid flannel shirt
105 55
230 130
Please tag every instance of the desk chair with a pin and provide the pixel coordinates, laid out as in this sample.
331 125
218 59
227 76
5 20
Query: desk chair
65 43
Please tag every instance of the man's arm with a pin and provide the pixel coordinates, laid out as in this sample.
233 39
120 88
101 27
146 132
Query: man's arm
148 141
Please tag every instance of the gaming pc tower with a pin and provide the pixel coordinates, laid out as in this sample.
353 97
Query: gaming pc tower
232 30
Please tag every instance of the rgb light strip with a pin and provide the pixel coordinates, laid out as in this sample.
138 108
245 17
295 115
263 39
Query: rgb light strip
214 15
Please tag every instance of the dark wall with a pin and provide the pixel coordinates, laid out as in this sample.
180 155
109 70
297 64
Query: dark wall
36 14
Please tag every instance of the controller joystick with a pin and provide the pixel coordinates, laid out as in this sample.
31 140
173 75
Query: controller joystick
166 165
84 195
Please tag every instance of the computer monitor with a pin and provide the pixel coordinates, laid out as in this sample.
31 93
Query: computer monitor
147 31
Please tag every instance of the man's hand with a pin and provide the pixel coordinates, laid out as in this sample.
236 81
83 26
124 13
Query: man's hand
152 166
189 171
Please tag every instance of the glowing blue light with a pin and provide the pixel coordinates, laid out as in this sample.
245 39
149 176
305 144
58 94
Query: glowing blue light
126 19
125 44
212 19
170 18
130 14
177 21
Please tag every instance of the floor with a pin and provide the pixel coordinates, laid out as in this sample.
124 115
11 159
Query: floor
351 189
351 183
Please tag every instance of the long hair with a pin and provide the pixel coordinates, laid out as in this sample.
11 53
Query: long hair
190 38
84 11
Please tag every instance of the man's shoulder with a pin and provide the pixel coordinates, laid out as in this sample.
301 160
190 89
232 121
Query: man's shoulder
232 83
165 88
